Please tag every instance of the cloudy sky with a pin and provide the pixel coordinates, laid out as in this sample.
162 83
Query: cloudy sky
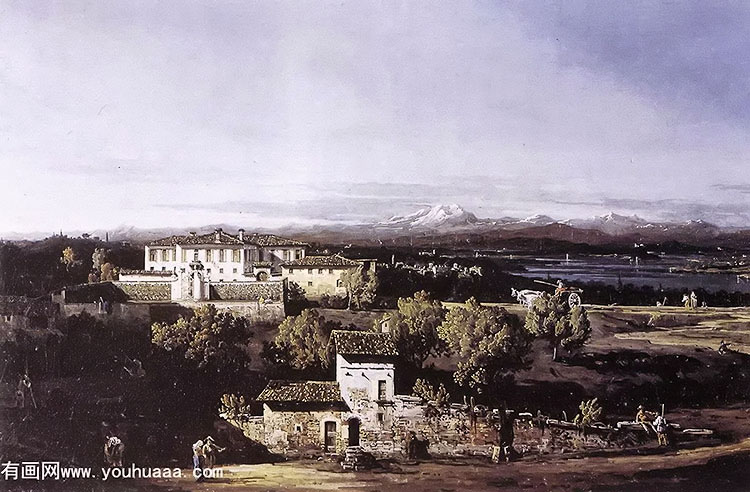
266 113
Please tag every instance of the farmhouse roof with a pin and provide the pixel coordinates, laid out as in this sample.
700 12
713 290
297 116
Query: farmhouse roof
221 237
301 392
331 261
364 343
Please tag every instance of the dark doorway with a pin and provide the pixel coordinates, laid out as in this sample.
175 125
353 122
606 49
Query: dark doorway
354 432
330 437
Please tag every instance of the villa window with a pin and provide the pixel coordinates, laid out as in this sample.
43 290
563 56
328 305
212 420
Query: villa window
222 255
163 269
221 270
291 270
208 271
236 255
320 271
234 270
339 283
209 255
309 271
309 284
184 256
330 271
152 255
286 254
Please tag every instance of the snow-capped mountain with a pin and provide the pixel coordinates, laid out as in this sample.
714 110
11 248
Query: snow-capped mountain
437 217
611 223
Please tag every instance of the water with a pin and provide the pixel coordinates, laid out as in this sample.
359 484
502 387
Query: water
613 270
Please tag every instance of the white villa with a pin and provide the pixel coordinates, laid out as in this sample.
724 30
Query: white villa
225 257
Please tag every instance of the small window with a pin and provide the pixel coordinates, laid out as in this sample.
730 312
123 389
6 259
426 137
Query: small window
291 270
309 284
152 269
320 271
330 271
309 271
234 270
163 269
298 428
208 271
8 318
382 394
380 417
221 270
339 283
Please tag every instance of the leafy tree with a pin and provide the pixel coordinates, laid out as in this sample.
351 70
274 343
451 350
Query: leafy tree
415 328
68 258
295 298
210 338
361 287
487 342
109 272
588 412
427 392
551 318
302 341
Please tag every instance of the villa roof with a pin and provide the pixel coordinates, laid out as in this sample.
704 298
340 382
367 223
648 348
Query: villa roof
301 392
221 237
364 343
323 261
155 273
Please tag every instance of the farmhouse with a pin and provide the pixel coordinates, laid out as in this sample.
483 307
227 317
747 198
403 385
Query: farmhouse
322 274
359 409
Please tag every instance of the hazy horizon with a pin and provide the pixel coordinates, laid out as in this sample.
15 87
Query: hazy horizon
265 114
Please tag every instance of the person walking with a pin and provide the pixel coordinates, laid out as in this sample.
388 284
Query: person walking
198 460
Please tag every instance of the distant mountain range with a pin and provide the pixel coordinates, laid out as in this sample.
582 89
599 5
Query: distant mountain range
452 224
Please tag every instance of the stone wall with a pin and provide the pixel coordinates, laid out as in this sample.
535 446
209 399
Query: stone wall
123 311
146 291
247 291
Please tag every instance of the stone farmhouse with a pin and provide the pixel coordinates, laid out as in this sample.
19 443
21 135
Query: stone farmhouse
359 409
318 275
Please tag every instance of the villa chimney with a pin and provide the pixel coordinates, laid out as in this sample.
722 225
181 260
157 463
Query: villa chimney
218 235
241 234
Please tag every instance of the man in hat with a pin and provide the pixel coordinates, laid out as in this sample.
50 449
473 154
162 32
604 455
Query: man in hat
210 450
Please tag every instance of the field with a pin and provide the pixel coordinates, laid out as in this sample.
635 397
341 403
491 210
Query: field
637 355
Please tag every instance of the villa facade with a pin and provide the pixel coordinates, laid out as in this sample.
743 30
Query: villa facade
225 257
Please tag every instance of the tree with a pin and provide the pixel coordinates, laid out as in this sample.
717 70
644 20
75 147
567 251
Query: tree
109 272
487 342
68 258
551 318
361 287
210 338
588 413
427 392
302 341
415 328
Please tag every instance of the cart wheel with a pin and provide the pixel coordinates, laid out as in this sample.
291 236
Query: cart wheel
574 300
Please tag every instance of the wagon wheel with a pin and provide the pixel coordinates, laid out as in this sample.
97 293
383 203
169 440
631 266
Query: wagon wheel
574 300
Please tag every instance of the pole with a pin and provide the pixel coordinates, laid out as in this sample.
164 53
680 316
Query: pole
662 410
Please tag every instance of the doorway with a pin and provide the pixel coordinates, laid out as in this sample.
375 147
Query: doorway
353 431
329 444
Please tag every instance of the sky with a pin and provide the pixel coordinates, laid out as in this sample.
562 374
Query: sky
269 113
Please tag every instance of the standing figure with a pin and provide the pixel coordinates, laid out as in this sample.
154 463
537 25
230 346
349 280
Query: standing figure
198 460
506 435
113 451
210 450
661 427
693 300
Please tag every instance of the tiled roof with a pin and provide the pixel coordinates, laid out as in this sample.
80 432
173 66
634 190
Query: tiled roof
323 261
156 273
271 240
301 392
216 237
364 343
264 240
84 293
